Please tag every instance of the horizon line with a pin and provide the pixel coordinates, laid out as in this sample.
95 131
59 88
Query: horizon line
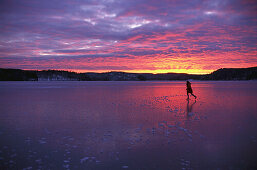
127 71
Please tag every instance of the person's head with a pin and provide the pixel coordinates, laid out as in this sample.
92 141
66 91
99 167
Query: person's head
188 82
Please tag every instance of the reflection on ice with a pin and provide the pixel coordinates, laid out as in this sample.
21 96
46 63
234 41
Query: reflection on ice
134 125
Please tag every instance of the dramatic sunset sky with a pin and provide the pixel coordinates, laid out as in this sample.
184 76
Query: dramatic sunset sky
190 36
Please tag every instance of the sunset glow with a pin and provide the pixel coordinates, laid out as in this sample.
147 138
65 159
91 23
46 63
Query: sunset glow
138 36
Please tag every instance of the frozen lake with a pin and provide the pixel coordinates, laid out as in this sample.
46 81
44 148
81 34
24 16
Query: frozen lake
128 125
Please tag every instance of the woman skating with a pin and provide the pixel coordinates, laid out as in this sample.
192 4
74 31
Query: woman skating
189 90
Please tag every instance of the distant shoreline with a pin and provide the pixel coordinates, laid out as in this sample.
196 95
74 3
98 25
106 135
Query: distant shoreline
224 74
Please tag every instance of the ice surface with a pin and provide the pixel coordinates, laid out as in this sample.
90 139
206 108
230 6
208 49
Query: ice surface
28 168
84 159
134 125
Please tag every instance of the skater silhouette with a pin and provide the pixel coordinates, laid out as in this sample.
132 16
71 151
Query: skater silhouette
189 90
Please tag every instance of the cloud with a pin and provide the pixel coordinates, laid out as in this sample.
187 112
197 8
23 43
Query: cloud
135 34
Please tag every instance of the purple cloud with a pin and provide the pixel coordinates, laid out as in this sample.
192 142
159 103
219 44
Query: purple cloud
146 31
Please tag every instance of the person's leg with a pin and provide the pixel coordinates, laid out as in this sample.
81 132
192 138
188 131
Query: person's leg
193 95
187 96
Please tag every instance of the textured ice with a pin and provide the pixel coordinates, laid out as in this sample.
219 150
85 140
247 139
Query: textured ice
39 161
13 155
66 166
134 125
84 159
42 141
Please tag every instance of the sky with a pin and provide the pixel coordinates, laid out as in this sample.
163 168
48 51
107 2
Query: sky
150 36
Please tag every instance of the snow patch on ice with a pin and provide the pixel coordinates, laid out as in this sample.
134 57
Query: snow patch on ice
42 141
84 159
